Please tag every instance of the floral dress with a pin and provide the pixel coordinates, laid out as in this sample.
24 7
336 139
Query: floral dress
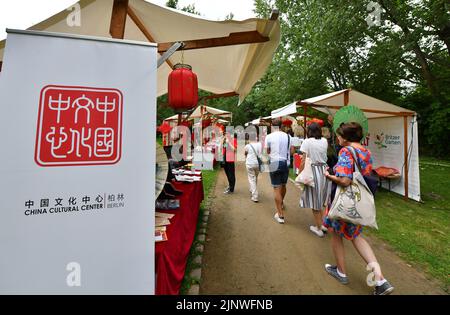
344 167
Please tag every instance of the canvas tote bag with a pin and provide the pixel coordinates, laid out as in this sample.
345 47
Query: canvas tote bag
306 176
354 203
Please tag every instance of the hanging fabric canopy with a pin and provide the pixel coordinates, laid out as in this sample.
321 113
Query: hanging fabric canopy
227 56
284 111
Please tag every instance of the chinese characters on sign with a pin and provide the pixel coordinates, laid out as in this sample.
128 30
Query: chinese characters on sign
78 126
74 204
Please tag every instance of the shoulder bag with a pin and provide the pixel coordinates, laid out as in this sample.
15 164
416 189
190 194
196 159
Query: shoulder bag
260 163
306 176
354 203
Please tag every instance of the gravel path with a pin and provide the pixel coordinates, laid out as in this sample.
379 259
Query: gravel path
247 252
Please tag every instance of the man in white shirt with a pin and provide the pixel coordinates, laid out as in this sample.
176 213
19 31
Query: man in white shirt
278 146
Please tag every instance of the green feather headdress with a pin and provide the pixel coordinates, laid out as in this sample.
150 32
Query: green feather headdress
350 113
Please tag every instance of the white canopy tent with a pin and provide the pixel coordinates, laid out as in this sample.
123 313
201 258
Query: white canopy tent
284 111
175 118
227 56
258 121
220 116
392 133
202 110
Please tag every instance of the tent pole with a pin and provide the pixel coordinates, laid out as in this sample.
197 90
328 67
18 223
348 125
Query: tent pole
118 19
304 120
201 125
346 97
405 149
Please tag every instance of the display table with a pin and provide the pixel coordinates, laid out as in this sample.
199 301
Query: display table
171 256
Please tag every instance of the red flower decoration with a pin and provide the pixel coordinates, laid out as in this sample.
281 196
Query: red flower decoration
164 128
287 122
315 120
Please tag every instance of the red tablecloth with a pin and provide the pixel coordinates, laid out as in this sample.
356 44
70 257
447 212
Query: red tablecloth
171 255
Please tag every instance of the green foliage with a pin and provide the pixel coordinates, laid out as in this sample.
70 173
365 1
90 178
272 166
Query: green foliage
190 8
229 16
172 4
328 45
420 232
209 182
163 111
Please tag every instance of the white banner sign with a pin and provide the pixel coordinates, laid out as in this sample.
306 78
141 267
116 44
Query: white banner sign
386 142
77 168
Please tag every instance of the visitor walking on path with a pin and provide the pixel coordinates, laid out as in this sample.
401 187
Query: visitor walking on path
229 149
350 134
278 146
315 147
252 162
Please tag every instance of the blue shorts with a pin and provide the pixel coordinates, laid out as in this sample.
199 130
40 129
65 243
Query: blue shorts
279 173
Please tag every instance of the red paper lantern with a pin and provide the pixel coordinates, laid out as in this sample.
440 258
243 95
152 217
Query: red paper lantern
182 88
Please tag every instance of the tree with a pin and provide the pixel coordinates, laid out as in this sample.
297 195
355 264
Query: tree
229 16
328 45
190 8
172 4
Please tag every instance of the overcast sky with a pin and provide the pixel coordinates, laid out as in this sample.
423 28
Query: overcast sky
21 14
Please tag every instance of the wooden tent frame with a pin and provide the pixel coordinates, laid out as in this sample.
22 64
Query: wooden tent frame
121 9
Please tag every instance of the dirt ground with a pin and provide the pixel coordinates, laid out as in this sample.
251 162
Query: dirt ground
248 252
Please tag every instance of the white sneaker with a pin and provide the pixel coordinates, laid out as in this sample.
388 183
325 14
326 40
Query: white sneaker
278 219
254 199
316 231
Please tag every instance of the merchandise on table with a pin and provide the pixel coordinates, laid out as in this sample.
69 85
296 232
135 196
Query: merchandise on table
164 215
187 178
160 236
161 221
160 228
167 204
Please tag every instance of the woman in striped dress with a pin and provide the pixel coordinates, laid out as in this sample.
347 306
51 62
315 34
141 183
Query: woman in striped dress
315 198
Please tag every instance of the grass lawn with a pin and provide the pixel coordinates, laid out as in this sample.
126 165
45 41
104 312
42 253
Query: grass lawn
209 180
159 140
419 232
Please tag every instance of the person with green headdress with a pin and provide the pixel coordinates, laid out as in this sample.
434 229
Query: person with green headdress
350 125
